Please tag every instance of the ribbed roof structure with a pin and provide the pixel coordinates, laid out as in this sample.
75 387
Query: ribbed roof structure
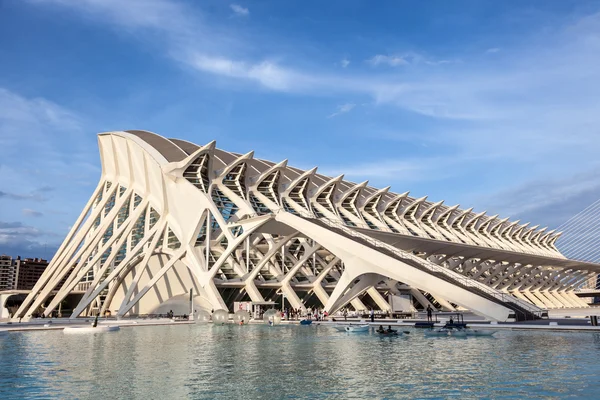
169 216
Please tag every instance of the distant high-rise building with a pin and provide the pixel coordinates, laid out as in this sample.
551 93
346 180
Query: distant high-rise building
8 275
20 274
28 271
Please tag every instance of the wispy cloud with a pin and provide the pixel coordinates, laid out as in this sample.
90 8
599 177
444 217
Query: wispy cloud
33 196
345 62
239 10
478 92
35 126
392 61
440 62
408 58
13 229
344 108
18 110
51 138
381 171
492 50
553 200
31 213
17 238
405 169
535 110
266 73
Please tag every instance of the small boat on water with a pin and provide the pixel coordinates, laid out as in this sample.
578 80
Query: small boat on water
357 328
389 333
91 329
352 328
341 328
457 333
305 322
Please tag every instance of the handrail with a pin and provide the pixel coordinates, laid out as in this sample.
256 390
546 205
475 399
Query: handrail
463 280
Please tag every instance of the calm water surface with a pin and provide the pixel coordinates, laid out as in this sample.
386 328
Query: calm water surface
241 362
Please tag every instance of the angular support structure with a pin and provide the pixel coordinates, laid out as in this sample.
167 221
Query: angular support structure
169 216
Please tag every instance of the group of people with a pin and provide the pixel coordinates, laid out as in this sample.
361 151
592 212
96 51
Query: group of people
317 314
388 330
291 313
296 313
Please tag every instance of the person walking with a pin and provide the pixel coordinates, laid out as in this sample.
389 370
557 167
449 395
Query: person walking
429 313
372 315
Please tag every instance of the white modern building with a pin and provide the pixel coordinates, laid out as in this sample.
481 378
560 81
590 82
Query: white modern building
168 216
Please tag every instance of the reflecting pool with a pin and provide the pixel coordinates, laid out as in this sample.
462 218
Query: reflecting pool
257 361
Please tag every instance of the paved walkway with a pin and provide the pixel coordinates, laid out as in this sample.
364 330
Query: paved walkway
60 323
545 324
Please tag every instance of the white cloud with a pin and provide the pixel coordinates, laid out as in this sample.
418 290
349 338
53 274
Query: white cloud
552 200
15 109
266 73
479 92
18 239
492 50
191 40
148 14
440 62
36 127
344 108
9 230
533 108
408 58
380 171
392 61
239 10
345 62
58 153
31 213
36 195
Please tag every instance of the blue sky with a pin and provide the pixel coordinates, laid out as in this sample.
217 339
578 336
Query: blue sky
493 105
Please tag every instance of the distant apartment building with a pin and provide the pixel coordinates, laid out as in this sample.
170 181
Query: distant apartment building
8 274
20 274
29 271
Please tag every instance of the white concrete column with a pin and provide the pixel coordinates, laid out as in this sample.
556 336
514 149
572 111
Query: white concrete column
550 303
341 297
557 300
421 299
566 299
533 299
446 306
379 300
292 297
358 304
576 299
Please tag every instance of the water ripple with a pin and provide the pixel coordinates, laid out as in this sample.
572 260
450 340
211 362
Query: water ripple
296 362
